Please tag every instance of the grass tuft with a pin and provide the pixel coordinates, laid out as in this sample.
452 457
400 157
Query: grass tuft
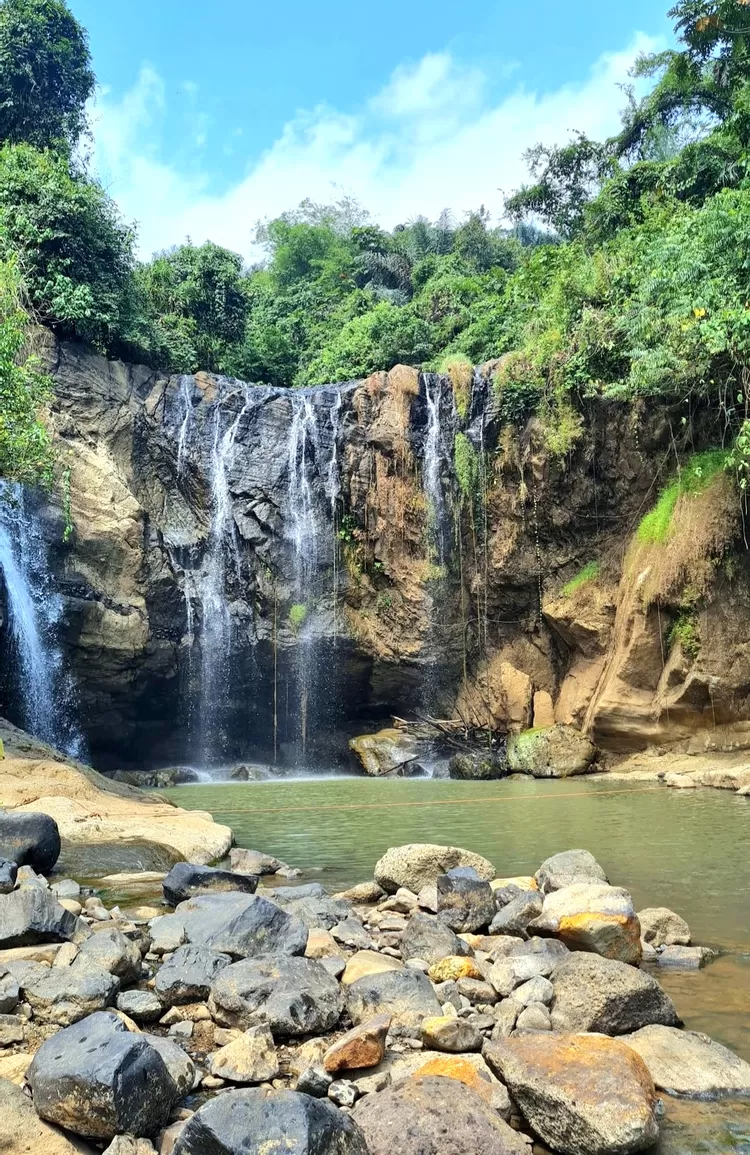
589 573
695 477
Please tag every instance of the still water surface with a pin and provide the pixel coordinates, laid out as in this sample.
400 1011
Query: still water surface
688 850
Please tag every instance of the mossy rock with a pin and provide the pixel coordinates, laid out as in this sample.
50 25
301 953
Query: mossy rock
550 752
477 767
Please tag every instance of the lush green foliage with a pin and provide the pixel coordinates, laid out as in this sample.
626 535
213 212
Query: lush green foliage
71 247
45 74
25 449
695 476
589 573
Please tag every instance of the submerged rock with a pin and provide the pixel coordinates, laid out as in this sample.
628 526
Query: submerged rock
435 1115
186 880
690 1064
255 1121
420 864
551 752
29 839
99 1080
581 1094
597 994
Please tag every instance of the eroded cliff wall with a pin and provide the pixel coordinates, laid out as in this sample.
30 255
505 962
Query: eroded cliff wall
268 569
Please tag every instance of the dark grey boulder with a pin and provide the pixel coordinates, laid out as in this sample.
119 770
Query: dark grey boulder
257 1122
64 995
10 995
99 1080
465 902
32 915
8 875
242 925
477 767
141 1006
108 949
514 918
407 996
612 998
29 840
295 996
187 976
186 880
319 911
428 938
434 1116
180 1067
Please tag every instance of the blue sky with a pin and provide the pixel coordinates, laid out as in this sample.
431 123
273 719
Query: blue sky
211 116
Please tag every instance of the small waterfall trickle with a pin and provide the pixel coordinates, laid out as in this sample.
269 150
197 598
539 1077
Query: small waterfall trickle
39 684
437 464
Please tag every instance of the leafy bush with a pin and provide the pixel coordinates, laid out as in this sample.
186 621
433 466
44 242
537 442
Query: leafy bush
25 445
74 253
297 617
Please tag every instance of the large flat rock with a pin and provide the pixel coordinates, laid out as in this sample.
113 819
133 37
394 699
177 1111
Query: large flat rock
690 1064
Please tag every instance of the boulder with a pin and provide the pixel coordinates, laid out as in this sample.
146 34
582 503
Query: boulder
318 910
29 840
455 968
476 767
32 915
295 996
514 918
432 1115
689 1064
251 1058
406 995
141 1006
536 990
8 875
454 1035
582 1095
252 1122
662 927
512 971
535 1017
567 868
419 864
364 893
110 950
593 917
22 1131
368 962
468 1069
385 752
253 862
551 752
602 995
10 992
186 880
180 1067
64 995
187 976
241 925
428 938
97 1079
362 1047
465 902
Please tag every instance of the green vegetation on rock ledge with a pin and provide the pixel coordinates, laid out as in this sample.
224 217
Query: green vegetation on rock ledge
589 573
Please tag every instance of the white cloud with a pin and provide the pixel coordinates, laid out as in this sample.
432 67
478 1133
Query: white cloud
430 139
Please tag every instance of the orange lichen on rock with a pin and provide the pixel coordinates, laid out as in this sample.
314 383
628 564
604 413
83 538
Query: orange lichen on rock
615 936
453 968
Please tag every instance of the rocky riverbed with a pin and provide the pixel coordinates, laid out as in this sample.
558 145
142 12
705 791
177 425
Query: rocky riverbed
438 1007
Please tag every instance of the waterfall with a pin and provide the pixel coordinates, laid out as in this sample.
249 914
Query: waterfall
434 465
312 457
41 686
216 621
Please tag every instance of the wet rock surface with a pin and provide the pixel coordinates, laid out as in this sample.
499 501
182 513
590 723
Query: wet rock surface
186 880
29 840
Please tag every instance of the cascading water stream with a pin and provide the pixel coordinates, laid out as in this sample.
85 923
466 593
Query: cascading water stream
42 687
437 463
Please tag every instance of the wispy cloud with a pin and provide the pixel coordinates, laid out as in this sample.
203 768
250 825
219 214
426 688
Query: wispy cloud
430 139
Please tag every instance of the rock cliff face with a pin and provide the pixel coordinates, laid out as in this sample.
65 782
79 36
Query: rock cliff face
261 568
